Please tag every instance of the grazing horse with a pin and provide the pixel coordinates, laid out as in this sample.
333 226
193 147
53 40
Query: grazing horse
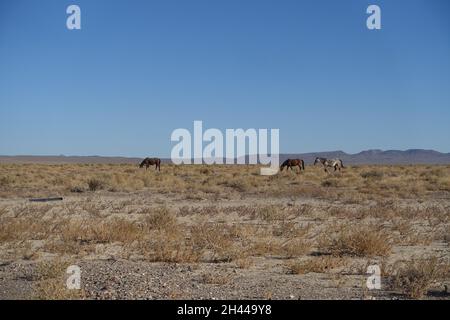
147 162
290 163
335 163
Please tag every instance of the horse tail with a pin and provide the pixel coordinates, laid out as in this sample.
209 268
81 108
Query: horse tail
303 164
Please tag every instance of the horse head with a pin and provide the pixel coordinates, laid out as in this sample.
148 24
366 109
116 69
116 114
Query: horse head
143 163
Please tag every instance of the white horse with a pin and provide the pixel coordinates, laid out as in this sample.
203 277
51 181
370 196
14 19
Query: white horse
331 163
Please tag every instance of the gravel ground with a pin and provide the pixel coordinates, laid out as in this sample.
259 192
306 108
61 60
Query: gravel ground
140 280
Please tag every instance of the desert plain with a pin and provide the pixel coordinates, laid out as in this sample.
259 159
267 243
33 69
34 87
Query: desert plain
224 232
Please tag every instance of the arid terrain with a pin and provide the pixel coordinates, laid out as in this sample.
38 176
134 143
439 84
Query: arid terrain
224 232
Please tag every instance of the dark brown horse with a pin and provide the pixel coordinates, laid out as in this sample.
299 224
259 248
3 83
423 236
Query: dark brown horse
290 163
147 162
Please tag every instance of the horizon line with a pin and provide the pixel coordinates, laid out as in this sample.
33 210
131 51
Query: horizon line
246 155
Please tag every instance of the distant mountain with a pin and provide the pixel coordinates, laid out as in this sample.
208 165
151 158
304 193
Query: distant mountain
412 156
67 159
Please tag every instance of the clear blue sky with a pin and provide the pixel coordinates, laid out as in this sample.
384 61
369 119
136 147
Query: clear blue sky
140 69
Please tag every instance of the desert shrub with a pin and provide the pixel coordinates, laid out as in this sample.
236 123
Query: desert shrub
95 184
222 242
160 218
12 229
205 171
170 246
270 213
77 189
415 278
6 181
295 247
356 241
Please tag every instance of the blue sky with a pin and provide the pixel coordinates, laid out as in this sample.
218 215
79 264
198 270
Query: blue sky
137 70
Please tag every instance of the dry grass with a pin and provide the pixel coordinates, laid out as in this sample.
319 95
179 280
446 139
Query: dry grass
170 247
223 214
216 278
93 184
360 182
99 231
160 219
317 265
360 240
219 242
416 277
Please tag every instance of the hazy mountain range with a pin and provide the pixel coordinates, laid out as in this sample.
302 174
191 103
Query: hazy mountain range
412 156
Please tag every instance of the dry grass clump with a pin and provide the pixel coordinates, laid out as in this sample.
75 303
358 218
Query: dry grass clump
3 210
219 242
17 229
216 278
322 264
360 240
170 246
95 184
100 231
160 219
416 277
270 213
295 247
